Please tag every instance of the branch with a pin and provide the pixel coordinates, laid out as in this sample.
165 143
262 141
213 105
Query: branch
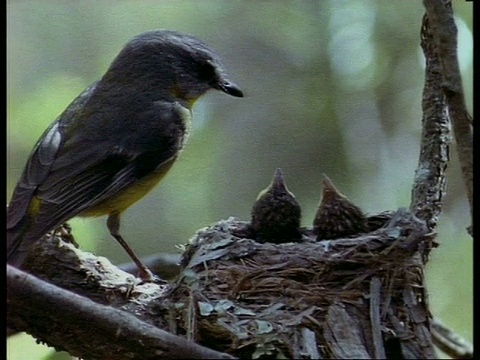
440 24
442 102
430 181
115 332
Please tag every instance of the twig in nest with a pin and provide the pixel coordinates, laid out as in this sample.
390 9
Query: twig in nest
449 342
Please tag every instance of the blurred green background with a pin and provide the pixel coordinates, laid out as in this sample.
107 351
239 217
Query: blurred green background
330 87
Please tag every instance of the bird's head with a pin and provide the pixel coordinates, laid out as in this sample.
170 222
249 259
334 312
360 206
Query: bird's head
171 64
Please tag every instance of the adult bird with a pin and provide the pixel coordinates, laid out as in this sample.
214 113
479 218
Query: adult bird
116 140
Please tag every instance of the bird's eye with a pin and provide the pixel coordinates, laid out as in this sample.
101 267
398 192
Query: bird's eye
206 70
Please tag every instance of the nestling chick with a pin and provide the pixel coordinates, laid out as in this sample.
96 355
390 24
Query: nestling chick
337 216
276 213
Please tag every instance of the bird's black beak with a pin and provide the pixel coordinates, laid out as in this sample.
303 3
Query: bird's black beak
229 88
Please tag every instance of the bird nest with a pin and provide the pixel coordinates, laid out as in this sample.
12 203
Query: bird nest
301 299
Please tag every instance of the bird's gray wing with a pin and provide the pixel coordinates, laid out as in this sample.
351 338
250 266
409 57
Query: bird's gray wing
41 160
93 170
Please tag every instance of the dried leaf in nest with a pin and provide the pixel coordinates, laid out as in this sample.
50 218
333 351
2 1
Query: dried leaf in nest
276 213
337 216
266 300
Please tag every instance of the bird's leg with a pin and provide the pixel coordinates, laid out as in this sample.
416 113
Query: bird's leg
113 224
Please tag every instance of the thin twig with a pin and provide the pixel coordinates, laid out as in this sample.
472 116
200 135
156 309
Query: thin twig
375 296
449 342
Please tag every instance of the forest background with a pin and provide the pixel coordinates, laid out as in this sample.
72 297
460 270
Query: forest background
330 87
